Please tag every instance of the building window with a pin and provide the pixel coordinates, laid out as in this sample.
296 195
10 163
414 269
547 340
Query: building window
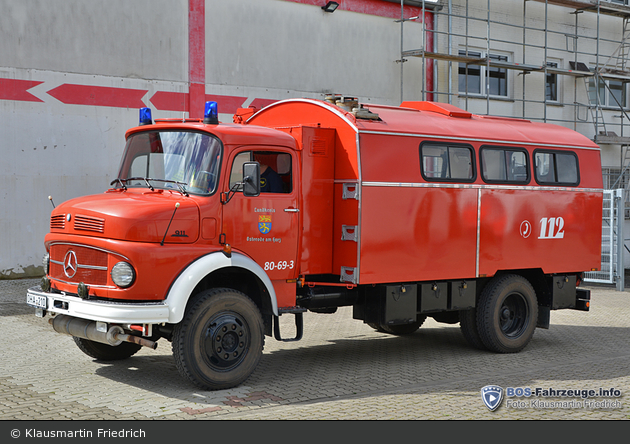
612 93
551 84
473 78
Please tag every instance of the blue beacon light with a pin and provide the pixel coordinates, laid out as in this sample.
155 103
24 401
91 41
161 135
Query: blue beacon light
211 113
145 116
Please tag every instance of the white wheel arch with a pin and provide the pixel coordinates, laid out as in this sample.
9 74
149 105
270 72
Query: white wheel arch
182 288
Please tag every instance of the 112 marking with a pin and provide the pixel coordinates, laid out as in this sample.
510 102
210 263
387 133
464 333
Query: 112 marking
551 228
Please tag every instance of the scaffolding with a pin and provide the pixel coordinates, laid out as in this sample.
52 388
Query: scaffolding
615 65
598 67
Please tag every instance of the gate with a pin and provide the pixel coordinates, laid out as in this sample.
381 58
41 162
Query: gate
612 269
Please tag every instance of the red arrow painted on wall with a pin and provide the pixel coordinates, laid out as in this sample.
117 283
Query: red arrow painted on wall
178 101
99 96
170 101
12 89
72 94
227 104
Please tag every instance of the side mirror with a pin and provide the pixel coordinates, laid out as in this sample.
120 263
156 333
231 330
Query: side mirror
251 179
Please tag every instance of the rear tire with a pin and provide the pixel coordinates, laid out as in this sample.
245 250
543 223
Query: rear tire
404 329
507 314
468 327
105 352
219 342
376 327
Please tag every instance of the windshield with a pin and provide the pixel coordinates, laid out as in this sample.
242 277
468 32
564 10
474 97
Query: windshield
182 160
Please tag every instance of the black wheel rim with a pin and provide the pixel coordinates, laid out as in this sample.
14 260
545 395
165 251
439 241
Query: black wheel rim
226 341
514 315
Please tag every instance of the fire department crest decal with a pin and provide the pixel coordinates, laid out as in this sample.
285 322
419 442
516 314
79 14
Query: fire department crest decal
264 223
492 395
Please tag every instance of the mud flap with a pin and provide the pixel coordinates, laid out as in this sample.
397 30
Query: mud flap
583 299
544 317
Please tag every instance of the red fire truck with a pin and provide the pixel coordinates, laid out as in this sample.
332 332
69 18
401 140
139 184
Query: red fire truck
212 231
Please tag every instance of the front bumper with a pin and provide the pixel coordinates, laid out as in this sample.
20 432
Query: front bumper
101 311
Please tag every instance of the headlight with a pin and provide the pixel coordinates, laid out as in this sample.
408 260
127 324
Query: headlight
123 274
46 261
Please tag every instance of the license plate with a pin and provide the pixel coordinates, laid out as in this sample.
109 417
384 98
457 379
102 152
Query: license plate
36 301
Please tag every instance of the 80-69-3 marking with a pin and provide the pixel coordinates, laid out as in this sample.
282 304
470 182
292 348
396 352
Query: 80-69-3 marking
280 265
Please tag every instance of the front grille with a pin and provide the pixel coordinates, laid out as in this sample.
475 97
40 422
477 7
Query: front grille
90 267
58 221
88 223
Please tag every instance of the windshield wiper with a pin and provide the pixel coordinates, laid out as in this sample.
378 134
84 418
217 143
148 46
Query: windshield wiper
147 181
180 185
121 182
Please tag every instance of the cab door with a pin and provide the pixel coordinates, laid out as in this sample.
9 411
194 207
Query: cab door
266 227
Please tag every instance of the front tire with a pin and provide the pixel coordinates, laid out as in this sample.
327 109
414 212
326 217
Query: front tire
105 352
507 314
219 342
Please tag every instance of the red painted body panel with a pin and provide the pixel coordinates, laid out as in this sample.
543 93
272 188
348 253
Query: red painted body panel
275 248
417 234
136 215
156 266
296 114
506 242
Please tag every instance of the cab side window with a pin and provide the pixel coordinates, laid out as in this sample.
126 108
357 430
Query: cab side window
275 170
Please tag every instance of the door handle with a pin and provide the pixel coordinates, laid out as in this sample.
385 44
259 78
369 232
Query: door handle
292 210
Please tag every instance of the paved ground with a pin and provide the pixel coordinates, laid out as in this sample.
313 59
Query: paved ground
342 369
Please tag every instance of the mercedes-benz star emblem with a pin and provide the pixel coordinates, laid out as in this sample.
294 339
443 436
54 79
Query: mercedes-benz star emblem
70 264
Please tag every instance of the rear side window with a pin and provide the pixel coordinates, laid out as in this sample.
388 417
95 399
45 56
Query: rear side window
556 168
504 165
446 162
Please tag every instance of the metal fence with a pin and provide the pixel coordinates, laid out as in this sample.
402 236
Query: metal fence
612 268
617 178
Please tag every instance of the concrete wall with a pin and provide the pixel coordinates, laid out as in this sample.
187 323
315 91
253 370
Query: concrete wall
73 74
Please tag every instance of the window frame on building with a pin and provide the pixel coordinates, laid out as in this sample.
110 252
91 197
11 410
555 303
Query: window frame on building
552 86
606 94
494 79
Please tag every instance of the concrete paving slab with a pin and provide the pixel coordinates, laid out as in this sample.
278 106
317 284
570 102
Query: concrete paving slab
341 370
